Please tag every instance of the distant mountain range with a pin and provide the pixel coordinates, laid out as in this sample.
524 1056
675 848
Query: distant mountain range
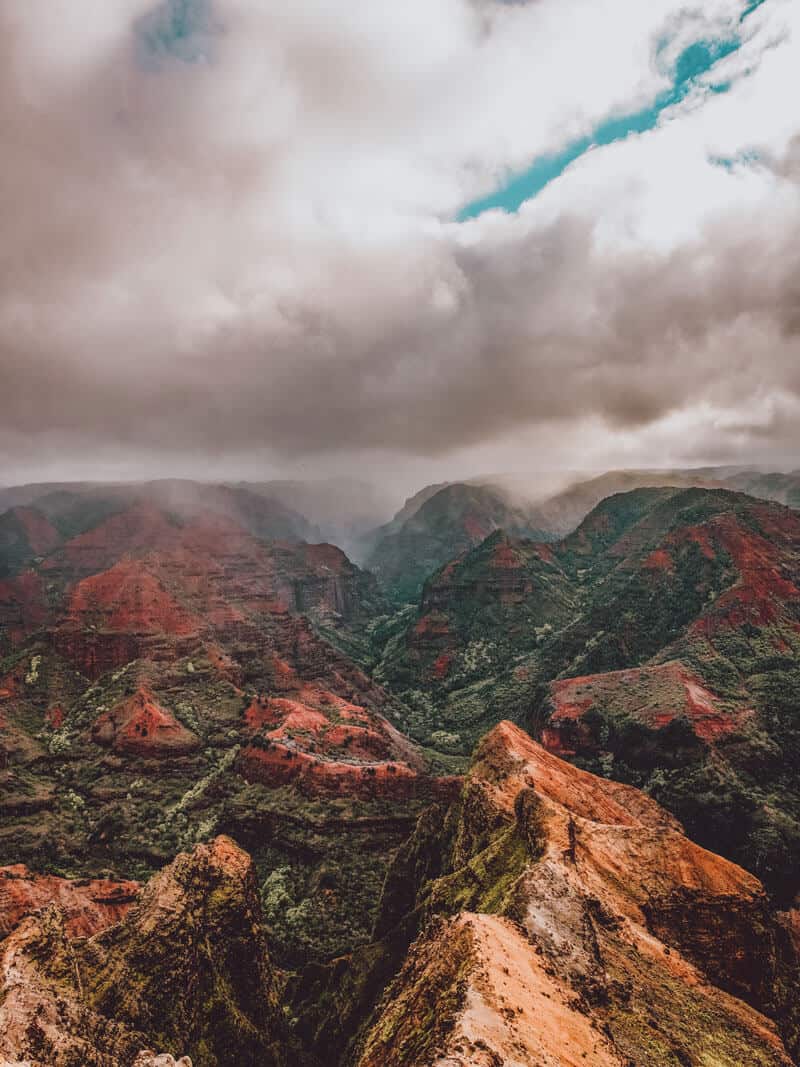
442 520
261 804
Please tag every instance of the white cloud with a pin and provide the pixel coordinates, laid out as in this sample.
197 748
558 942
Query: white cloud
254 252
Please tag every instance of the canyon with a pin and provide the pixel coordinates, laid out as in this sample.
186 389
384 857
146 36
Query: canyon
528 794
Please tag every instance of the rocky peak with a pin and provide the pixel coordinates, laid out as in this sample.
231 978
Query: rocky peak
574 923
186 969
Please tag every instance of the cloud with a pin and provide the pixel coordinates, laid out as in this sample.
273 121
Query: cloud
228 232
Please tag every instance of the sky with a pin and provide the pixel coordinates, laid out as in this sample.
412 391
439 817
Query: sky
409 242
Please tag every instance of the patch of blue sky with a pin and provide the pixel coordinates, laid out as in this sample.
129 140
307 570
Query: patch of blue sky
751 7
693 65
182 30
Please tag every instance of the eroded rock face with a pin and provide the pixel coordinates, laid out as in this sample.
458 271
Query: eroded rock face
328 746
187 967
169 678
658 644
574 923
88 905
146 579
473 994
141 726
656 696
190 962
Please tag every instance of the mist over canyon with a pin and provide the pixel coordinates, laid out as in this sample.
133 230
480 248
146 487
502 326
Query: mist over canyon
399 533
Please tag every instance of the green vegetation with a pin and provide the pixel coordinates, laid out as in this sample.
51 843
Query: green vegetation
497 626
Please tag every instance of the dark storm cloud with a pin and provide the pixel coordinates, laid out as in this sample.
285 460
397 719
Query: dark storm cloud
181 272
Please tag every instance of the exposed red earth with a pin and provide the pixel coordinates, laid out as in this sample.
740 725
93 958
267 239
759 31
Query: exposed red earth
328 745
618 940
656 696
140 726
89 905
169 677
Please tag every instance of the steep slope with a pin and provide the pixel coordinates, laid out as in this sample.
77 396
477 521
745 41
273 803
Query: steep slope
453 519
661 561
714 604
25 534
557 502
783 487
166 678
479 616
138 560
410 507
561 513
186 970
668 660
574 923
544 916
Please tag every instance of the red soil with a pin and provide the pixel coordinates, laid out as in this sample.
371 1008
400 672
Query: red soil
128 599
698 535
283 675
89 905
275 712
8 686
504 556
141 727
654 695
659 560
316 721
441 666
762 587
55 717
141 528
432 624
282 765
325 744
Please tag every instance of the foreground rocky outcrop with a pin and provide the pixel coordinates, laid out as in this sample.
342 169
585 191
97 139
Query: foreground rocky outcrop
187 969
544 917
171 676
574 923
